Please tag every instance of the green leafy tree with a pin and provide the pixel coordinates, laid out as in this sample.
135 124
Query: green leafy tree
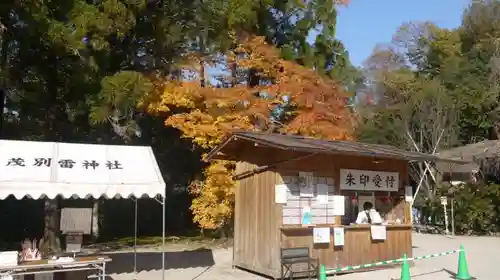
77 70
73 71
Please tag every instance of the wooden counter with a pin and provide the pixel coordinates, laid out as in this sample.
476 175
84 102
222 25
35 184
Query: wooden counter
358 247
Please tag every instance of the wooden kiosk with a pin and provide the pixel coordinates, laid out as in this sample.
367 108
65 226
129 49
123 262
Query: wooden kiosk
290 187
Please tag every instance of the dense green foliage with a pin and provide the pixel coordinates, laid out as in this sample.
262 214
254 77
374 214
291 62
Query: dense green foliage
76 70
438 88
454 74
476 208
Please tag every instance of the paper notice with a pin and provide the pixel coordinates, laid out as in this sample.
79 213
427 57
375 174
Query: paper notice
338 236
321 235
288 220
378 232
322 194
280 194
408 193
306 184
339 205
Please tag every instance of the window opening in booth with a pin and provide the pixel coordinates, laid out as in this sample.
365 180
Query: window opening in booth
354 204
390 208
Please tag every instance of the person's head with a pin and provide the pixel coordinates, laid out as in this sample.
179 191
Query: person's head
367 206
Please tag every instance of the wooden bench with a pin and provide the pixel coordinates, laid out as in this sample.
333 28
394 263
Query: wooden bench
301 255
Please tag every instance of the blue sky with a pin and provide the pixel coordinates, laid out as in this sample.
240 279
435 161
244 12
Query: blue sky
364 23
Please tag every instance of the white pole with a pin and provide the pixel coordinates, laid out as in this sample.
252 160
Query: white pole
135 240
163 242
452 217
446 220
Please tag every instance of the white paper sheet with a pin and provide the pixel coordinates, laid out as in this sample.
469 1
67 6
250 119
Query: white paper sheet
321 235
306 184
280 194
319 220
339 205
378 232
291 220
408 193
322 193
330 220
338 236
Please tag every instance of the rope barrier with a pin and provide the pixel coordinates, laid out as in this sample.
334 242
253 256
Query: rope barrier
381 263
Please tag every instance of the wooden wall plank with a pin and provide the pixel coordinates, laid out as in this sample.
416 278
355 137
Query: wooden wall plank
257 222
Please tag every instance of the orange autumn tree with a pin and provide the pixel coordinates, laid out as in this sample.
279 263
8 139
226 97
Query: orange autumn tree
263 93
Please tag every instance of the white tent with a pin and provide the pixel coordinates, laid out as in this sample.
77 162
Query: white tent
47 169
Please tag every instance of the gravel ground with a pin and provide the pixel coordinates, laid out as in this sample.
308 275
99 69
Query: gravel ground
483 254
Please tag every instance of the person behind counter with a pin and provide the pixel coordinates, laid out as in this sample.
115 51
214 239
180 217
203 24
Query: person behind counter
369 215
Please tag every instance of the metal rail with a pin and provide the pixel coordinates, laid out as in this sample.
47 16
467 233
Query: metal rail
388 262
53 267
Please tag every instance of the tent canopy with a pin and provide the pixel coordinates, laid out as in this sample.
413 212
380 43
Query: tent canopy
47 169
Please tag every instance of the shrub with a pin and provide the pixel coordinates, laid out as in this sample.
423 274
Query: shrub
476 208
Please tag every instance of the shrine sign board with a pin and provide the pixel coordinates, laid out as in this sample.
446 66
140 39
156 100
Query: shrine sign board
76 220
49 169
369 180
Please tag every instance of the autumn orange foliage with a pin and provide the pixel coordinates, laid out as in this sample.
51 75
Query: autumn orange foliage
313 105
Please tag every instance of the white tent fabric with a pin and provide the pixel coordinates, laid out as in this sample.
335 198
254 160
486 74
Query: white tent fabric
47 169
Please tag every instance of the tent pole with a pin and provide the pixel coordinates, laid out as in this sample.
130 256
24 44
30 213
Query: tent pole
135 239
163 241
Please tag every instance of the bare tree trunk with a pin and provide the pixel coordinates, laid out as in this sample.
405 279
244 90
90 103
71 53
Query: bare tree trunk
203 40
3 71
202 72
95 219
51 231
234 74
2 106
